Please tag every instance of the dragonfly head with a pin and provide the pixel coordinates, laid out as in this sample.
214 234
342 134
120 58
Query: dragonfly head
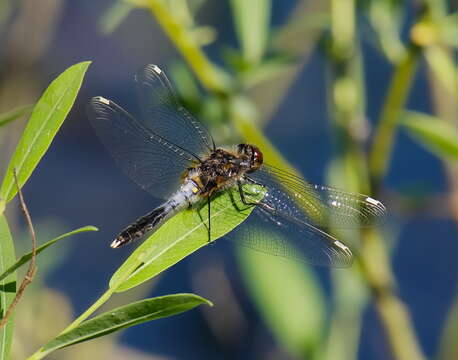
253 155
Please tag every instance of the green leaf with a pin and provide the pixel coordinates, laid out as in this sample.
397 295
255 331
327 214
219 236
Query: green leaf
448 348
7 287
25 258
267 70
288 297
18 112
183 234
47 117
386 18
443 67
438 136
252 20
448 29
114 16
124 317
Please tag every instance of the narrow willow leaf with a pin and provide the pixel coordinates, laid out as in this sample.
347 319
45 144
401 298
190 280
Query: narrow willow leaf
25 258
443 67
124 317
183 234
438 136
252 19
289 298
46 119
386 19
14 114
114 16
7 287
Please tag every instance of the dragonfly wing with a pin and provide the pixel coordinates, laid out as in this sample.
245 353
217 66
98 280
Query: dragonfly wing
163 113
322 206
153 162
288 237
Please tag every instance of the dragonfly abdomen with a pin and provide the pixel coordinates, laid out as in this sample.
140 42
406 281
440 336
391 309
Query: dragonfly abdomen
149 222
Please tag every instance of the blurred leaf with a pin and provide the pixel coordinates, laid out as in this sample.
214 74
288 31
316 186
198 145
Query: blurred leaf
203 35
7 287
268 69
289 298
252 20
349 303
449 30
195 5
114 16
448 348
185 83
443 67
243 114
436 135
47 117
18 112
124 317
180 236
25 258
385 17
5 11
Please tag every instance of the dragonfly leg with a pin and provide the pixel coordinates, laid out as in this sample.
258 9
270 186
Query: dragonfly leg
242 195
265 206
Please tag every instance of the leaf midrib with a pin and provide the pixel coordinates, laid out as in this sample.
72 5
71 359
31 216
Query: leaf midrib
175 242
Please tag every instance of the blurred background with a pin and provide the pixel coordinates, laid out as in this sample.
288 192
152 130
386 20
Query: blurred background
357 94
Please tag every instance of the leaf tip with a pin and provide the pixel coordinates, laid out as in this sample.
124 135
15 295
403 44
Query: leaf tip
201 299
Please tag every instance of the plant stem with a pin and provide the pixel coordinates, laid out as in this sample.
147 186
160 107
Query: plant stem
393 314
348 113
211 77
389 118
41 353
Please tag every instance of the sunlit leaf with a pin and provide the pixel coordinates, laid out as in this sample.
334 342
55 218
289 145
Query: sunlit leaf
46 119
252 19
180 236
7 287
124 317
289 298
14 114
438 136
25 258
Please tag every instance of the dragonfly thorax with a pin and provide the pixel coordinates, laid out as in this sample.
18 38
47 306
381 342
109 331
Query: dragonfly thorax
223 168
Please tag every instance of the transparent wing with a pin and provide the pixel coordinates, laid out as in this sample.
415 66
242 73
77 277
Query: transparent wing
319 205
290 219
281 234
163 113
153 162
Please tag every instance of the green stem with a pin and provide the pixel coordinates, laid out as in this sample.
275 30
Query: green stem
390 115
393 313
211 77
41 353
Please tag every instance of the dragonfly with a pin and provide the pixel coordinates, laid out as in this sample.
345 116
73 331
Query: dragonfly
172 156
